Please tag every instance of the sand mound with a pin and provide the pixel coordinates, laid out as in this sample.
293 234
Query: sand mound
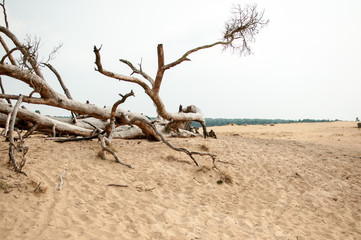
289 181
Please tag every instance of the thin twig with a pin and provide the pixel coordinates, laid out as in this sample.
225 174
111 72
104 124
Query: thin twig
5 15
78 139
62 84
189 153
3 91
117 185
6 129
105 148
31 130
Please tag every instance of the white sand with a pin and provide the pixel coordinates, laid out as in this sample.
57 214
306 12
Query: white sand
289 181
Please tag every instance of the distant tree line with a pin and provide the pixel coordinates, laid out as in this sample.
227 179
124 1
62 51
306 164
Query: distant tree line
254 121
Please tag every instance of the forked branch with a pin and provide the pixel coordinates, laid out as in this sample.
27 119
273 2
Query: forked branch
114 75
138 71
109 130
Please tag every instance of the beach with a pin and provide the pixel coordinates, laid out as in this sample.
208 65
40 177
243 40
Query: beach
287 181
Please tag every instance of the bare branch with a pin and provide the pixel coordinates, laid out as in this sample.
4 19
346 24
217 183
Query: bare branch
114 75
116 104
162 67
52 54
27 99
11 136
7 122
105 148
184 57
32 130
3 43
189 153
3 90
160 72
138 71
5 15
241 29
66 90
109 129
28 51
8 55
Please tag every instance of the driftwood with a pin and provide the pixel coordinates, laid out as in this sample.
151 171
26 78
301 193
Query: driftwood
153 90
116 185
61 180
189 153
104 142
239 31
62 84
77 139
45 122
18 167
106 138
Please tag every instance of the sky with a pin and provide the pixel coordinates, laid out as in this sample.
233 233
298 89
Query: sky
305 64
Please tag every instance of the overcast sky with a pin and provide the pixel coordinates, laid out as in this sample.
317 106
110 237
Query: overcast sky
306 63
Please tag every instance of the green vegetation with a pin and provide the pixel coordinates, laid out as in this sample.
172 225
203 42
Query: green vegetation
210 122
252 121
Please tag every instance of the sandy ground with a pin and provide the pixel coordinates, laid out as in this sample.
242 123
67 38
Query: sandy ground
288 181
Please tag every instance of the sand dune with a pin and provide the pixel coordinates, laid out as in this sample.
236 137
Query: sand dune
288 181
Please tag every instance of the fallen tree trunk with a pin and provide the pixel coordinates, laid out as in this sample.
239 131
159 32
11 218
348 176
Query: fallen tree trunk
45 122
87 109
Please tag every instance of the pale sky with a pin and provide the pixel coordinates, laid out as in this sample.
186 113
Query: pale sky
306 63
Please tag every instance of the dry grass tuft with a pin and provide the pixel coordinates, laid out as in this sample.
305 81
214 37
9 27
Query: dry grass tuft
225 177
4 186
203 169
38 189
171 158
204 148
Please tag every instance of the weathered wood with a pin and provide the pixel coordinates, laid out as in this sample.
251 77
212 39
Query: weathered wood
46 122
61 180
153 90
18 168
116 185
62 84
3 90
103 140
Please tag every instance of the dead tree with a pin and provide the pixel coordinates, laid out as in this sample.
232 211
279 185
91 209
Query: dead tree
32 75
239 33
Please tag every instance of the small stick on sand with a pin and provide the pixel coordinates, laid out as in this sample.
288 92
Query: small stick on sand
61 180
117 185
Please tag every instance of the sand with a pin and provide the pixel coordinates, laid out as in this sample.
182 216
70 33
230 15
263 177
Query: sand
288 181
